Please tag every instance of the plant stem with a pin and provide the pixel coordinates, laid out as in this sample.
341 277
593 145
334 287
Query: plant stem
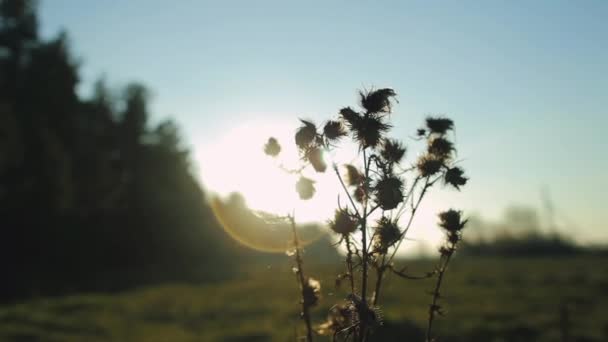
364 250
302 280
434 308
349 264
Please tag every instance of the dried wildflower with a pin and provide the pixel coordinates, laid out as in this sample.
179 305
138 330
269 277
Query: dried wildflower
387 233
440 147
353 176
306 134
439 125
305 188
392 151
334 130
377 101
343 223
311 292
389 192
350 116
368 130
451 220
429 165
455 177
272 147
315 157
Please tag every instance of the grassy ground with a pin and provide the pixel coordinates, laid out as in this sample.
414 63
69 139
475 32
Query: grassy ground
485 300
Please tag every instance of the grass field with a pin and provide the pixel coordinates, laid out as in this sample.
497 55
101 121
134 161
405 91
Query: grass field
485 300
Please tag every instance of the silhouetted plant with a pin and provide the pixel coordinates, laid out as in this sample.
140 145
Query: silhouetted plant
383 195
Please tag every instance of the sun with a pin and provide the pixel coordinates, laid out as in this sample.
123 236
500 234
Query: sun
237 163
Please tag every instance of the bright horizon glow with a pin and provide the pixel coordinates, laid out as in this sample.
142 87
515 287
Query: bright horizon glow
237 163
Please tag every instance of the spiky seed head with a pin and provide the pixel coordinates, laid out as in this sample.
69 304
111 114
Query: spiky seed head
378 101
353 176
305 188
272 147
440 147
368 131
343 223
455 177
315 157
392 151
451 220
349 116
439 125
429 165
334 130
306 134
386 235
389 192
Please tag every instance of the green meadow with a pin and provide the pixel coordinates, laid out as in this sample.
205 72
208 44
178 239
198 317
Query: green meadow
519 299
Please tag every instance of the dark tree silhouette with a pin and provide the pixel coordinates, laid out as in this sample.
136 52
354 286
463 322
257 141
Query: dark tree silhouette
91 196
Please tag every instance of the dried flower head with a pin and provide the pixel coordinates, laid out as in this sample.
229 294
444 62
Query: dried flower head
440 147
311 292
272 147
387 233
353 176
439 125
377 101
363 313
455 177
429 165
305 188
389 192
315 157
334 130
349 116
392 151
343 223
451 220
368 130
306 134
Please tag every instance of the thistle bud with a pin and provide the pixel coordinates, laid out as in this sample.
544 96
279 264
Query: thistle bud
305 188
387 234
392 151
272 147
440 147
451 220
377 101
334 130
455 177
439 125
353 176
343 223
306 134
429 165
389 192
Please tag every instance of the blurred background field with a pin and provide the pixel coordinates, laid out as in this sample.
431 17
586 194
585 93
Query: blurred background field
489 299
126 207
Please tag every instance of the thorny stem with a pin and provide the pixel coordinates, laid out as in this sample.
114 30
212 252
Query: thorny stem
379 275
434 307
349 264
352 202
364 249
302 280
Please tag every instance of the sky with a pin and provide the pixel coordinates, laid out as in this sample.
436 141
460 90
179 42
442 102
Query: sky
526 82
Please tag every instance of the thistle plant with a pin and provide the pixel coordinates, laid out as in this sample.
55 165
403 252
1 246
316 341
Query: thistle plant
383 194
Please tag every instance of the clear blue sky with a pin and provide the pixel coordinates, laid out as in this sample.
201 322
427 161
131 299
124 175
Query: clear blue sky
525 81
